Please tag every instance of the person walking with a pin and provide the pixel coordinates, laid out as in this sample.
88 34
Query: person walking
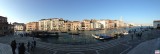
140 35
132 36
32 46
13 46
34 42
28 46
22 49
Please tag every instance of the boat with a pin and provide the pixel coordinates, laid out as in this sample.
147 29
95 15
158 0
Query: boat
101 36
44 34
63 32
73 33
125 33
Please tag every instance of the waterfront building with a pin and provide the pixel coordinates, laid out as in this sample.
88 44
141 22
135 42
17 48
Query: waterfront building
44 24
32 26
67 26
57 24
103 23
95 25
52 24
19 26
92 26
3 25
107 24
76 25
111 24
86 25
121 22
156 24
11 28
117 24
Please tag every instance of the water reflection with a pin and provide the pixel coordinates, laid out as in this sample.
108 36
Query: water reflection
85 37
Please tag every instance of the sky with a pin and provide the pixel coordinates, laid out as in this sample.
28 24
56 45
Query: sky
132 11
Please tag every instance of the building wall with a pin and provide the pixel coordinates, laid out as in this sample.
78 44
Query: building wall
32 26
156 24
3 25
53 24
87 24
106 24
67 26
76 25
57 23
103 23
19 26
97 25
44 24
92 26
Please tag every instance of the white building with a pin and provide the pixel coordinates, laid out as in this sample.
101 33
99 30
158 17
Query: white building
103 23
96 25
19 26
156 24
57 23
51 24
44 24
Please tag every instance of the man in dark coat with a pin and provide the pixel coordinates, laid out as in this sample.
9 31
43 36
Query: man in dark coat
13 45
34 42
22 49
28 45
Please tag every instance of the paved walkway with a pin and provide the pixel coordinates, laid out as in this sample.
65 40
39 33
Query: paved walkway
5 49
117 46
148 47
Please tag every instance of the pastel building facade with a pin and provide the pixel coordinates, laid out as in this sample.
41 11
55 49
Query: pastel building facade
86 25
52 24
32 26
19 26
67 26
44 24
76 25
57 23
103 23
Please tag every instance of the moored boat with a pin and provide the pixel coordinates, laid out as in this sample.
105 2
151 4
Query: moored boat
125 33
101 36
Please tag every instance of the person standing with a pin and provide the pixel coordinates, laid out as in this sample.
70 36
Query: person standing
13 45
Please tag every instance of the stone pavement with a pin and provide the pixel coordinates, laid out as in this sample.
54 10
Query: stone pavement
5 49
117 46
147 47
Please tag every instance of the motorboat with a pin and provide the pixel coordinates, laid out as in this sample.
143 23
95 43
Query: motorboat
101 36
125 33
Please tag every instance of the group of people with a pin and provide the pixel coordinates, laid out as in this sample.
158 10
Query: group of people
31 45
137 33
23 34
20 47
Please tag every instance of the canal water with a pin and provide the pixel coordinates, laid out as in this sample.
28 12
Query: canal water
84 38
